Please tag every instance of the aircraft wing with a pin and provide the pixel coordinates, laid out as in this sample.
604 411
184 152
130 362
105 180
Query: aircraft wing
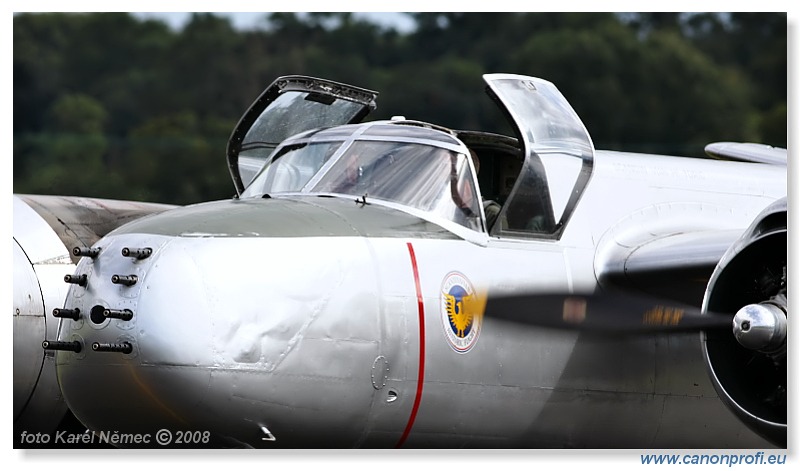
80 222
675 257
747 152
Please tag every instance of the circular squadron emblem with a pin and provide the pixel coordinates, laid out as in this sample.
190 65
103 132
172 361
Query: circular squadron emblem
459 311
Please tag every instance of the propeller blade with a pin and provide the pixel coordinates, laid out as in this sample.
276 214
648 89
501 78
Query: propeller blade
611 313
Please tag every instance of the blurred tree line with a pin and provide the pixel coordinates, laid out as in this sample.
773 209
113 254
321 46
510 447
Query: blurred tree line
110 105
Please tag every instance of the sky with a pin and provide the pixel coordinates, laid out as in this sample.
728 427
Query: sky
255 20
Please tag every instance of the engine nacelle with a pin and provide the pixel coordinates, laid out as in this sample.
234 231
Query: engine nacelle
39 265
748 364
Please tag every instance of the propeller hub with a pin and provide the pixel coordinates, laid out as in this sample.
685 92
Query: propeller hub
760 327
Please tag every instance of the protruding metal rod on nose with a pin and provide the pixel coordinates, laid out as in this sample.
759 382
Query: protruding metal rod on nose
122 314
127 280
73 314
137 253
86 252
74 346
123 347
79 280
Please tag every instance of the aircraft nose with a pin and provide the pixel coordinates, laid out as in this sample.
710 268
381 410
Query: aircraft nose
239 337
136 327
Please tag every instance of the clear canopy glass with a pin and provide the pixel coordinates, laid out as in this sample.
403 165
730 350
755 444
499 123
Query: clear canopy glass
431 175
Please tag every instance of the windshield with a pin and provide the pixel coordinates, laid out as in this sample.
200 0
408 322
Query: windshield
291 168
424 174
425 177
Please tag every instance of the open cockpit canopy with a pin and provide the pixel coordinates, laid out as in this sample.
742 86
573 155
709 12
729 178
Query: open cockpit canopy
300 137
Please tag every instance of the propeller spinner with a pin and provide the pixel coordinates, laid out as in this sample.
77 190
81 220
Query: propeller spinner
761 327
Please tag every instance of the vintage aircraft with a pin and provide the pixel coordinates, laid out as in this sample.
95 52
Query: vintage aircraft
373 285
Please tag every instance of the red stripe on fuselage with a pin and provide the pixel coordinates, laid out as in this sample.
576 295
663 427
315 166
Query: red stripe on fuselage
421 371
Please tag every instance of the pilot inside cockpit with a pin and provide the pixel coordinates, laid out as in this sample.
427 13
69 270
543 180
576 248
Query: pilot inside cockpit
353 180
491 208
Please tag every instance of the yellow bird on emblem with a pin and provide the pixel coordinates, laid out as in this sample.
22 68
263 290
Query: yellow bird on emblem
460 318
